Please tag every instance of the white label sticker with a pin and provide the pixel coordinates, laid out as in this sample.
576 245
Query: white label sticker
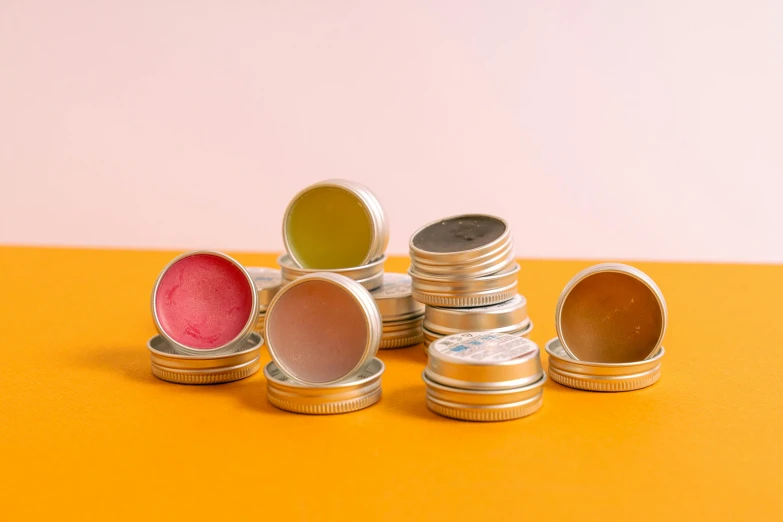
484 347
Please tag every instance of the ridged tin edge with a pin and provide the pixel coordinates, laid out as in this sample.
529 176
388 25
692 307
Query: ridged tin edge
387 344
478 415
329 408
214 378
588 384
464 302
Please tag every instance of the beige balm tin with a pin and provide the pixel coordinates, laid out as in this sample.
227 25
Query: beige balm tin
610 321
484 377
335 224
322 329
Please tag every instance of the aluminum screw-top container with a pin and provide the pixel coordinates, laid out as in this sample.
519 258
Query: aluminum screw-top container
484 377
606 377
358 392
335 224
484 361
611 313
370 276
394 298
509 316
243 361
496 262
465 293
205 274
322 329
460 245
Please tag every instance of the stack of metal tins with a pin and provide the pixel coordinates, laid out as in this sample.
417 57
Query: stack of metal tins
464 270
268 282
339 226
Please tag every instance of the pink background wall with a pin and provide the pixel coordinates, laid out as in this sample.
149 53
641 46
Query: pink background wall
609 129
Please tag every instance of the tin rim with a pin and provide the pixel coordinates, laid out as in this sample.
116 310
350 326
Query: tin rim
341 397
512 313
485 298
373 207
617 268
211 369
485 405
462 255
362 298
594 368
242 335
479 268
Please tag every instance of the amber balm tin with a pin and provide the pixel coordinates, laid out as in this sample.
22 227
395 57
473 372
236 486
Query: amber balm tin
205 307
610 320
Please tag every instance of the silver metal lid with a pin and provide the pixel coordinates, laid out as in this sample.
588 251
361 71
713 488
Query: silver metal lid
374 211
509 315
361 391
370 276
488 264
394 298
228 346
242 361
468 293
606 377
398 340
484 405
268 282
484 361
307 345
430 336
611 313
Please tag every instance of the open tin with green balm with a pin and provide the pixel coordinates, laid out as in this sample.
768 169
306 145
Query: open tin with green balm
335 224
610 320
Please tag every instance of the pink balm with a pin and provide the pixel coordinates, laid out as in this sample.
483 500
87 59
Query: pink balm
203 301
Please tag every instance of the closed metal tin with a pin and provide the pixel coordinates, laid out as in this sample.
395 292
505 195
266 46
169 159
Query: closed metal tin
370 276
484 405
466 293
169 365
430 336
607 351
605 377
361 297
380 224
361 391
268 282
510 315
462 253
498 262
402 339
484 361
394 298
246 331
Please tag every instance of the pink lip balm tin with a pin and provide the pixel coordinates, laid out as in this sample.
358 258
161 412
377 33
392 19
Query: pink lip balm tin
204 304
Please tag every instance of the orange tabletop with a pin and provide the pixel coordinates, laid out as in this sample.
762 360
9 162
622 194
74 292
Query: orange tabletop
87 433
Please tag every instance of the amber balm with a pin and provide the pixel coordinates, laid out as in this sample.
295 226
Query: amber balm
610 320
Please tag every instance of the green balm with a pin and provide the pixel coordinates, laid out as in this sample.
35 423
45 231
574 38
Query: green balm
329 227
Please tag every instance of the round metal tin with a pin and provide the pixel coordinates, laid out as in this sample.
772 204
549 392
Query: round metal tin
402 339
606 377
394 298
468 293
461 231
370 276
268 282
510 315
360 296
229 346
361 391
380 225
243 361
484 361
484 405
614 347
